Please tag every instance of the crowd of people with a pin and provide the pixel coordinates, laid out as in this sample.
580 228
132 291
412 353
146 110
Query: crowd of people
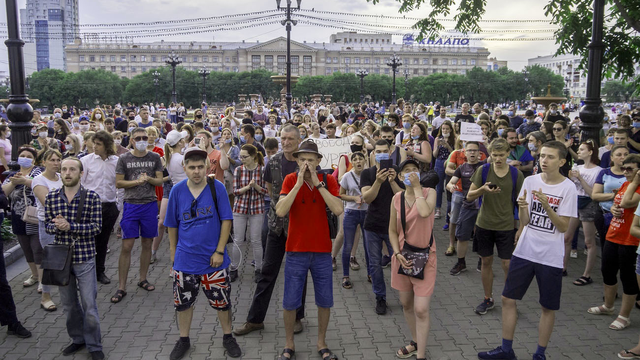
216 178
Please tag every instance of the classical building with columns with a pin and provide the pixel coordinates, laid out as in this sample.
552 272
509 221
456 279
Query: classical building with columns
345 52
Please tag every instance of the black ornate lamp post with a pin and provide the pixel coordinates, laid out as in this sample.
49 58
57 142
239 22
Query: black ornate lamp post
361 73
204 73
287 23
592 113
156 82
19 110
394 62
173 61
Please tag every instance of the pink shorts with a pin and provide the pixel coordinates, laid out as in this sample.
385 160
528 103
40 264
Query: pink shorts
422 288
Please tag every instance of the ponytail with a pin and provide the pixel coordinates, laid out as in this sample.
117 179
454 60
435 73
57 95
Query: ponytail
167 154
260 158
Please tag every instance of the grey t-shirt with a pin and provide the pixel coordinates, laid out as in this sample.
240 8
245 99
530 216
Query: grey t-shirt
132 167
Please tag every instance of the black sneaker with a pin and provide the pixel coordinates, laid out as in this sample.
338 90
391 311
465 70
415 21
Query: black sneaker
479 268
97 355
381 306
233 275
73 348
19 331
386 260
232 347
180 349
256 276
486 305
497 354
457 269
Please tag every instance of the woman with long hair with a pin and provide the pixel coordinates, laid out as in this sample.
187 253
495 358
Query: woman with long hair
98 117
444 144
60 130
17 186
87 144
232 152
41 185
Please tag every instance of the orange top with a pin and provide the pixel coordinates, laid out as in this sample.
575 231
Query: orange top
619 229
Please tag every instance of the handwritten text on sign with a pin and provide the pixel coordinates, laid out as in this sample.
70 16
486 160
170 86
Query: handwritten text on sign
331 150
471 132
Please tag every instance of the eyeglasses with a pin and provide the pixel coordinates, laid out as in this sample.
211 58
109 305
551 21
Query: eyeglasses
194 205
628 169
141 138
558 129
67 142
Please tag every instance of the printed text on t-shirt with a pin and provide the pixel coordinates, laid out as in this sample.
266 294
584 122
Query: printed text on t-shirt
538 217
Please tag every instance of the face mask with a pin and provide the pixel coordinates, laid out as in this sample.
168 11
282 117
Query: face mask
132 117
510 113
533 147
610 140
406 125
8 133
141 145
57 115
636 125
76 125
356 148
84 127
34 132
242 139
416 137
117 141
445 134
131 129
25 162
199 116
382 156
43 134
215 129
406 178
64 109
98 116
390 141
392 124
500 131
227 141
553 112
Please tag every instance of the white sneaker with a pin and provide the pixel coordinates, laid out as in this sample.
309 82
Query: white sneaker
574 254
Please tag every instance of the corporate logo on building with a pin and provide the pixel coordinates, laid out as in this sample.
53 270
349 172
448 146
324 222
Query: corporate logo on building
411 39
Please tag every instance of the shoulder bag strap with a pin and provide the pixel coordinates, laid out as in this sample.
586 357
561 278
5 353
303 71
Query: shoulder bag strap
354 179
212 187
83 195
403 216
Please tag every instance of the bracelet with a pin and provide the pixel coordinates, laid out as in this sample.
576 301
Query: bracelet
421 197
220 253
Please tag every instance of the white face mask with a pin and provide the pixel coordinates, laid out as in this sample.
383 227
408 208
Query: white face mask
141 145
43 134
98 116
117 141
57 115
84 127
8 134
445 134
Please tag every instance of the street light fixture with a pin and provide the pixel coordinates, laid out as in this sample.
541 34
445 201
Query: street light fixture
394 62
287 23
204 73
361 73
156 82
173 61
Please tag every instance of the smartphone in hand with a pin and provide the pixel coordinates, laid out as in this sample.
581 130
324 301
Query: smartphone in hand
386 164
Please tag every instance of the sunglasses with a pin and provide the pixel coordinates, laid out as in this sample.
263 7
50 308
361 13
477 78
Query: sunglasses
628 169
141 138
558 129
194 205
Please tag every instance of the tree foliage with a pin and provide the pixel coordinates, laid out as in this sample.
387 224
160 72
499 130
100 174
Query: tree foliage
574 18
617 91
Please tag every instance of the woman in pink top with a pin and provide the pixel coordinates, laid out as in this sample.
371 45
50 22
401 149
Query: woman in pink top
5 149
415 294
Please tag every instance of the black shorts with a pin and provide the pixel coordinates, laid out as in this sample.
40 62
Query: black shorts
503 241
520 276
216 287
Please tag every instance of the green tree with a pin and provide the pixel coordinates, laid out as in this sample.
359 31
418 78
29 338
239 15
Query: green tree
90 87
539 78
574 18
46 86
617 91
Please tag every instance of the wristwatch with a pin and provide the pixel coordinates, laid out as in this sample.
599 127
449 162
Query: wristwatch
321 185
220 253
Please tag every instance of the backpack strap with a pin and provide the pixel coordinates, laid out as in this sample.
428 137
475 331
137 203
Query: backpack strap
212 187
514 194
485 173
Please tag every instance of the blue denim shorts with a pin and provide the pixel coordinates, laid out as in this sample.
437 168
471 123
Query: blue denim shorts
296 268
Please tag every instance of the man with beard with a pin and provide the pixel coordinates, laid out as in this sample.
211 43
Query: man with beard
74 215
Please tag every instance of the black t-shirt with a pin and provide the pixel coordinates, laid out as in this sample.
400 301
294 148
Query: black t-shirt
465 118
377 219
464 172
288 167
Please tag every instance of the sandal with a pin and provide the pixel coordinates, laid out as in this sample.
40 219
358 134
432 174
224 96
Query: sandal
626 354
619 325
582 281
145 284
346 283
330 355
118 296
48 306
292 354
32 280
601 310
450 251
404 352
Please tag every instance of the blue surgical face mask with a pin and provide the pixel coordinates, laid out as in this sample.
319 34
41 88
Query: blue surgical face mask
533 147
524 120
510 113
500 131
416 137
382 156
227 141
610 140
25 162
258 137
406 125
636 125
391 123
242 139
406 178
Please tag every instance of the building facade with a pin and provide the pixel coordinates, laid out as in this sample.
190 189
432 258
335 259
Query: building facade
338 55
47 27
567 67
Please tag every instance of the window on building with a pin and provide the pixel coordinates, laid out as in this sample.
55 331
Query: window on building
205 59
227 69
328 71
92 58
183 59
295 64
435 61
123 69
195 59
376 70
215 59
133 58
454 61
306 64
143 69
133 69
435 71
81 68
113 69
268 62
415 71
346 70
226 59
386 71
463 61
103 58
405 61
154 59
164 58
425 71
327 60
347 60
445 71
425 61
367 60
356 60
463 72
143 58
282 64
255 62
123 58
234 59
336 70
335 60
472 61
445 61
416 61
112 58
81 58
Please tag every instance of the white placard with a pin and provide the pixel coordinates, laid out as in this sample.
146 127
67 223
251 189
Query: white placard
471 132
332 149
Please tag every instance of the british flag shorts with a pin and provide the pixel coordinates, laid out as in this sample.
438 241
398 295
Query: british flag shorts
216 287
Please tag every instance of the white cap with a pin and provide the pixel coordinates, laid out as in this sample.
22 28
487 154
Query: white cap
174 136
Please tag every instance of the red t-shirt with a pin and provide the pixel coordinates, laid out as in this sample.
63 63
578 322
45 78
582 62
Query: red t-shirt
620 227
159 192
458 157
308 224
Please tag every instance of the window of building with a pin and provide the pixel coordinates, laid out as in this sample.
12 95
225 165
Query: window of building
123 69
425 61
336 70
445 61
143 69
405 61
268 62
215 68
154 59
92 58
356 60
376 60
143 58
416 61
367 60
133 58
235 69
463 72
164 58
133 69
282 64
113 69
425 71
472 61
227 69
81 68
81 58
195 59
435 61
295 64
183 59
386 71
112 58
327 60
415 71
435 71
347 60
123 58
103 58
454 61
215 59
255 62
376 70
463 61
226 59
205 59
335 60
234 59
306 64
328 71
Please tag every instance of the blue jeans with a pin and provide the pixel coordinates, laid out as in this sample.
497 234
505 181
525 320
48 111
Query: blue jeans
296 270
352 218
83 322
373 248
440 187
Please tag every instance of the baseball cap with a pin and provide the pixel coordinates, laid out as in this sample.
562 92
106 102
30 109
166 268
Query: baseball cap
194 151
174 136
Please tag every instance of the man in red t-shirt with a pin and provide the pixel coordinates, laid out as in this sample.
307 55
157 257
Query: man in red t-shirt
304 196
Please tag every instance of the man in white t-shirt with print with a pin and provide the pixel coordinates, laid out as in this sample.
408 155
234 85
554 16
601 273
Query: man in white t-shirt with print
546 203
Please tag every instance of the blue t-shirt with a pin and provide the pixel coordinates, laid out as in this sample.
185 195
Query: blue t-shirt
610 184
197 237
